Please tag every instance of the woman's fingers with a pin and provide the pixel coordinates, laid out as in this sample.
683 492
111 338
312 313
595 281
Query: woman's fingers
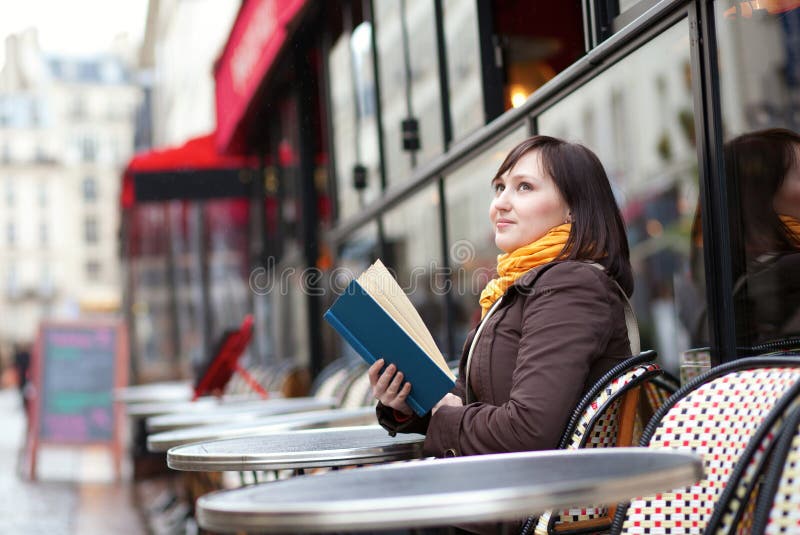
397 382
375 371
404 392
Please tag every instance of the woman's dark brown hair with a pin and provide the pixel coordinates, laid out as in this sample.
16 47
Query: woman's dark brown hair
760 161
598 232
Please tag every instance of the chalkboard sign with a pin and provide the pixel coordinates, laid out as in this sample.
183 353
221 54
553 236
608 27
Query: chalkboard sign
76 367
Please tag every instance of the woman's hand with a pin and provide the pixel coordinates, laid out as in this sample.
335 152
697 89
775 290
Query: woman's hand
449 400
388 387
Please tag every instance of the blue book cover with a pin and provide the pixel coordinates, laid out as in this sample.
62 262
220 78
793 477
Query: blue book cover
375 334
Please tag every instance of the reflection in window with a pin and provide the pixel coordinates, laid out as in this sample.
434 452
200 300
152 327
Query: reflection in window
760 89
354 120
649 154
464 66
473 253
409 80
414 254
355 255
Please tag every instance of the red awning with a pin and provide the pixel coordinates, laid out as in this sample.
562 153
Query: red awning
260 31
194 170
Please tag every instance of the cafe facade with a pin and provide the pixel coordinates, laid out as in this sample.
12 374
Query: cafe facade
377 127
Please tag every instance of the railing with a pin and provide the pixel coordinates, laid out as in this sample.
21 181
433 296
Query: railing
653 21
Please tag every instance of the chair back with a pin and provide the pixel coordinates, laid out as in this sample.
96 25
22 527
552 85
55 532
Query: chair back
778 507
736 505
716 416
610 414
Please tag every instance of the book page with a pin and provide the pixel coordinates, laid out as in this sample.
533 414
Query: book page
381 286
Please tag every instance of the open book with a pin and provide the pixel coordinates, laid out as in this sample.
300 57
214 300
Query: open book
376 317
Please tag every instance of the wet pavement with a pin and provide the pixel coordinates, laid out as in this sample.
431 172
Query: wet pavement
75 492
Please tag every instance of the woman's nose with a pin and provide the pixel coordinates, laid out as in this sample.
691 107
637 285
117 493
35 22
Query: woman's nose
503 200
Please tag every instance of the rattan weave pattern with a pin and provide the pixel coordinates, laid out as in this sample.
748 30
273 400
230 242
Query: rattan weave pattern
784 512
597 428
734 510
715 420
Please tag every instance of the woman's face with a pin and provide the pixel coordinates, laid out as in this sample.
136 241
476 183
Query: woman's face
527 203
787 198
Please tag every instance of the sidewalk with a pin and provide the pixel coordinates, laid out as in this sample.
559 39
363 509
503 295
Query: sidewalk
75 492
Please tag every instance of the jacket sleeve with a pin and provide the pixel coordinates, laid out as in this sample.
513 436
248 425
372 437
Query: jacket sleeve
566 323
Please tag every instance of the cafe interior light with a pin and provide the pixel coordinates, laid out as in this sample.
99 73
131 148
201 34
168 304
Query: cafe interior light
518 96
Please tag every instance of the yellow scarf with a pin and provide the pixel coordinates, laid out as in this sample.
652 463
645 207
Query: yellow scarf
512 266
793 224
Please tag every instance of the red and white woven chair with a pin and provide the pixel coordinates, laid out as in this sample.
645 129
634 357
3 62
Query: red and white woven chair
612 413
716 416
734 513
778 507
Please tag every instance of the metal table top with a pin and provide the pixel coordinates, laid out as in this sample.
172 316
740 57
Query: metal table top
153 392
310 448
487 488
156 408
269 424
230 413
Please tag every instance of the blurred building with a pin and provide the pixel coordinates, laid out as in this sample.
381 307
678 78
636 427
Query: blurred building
182 40
66 128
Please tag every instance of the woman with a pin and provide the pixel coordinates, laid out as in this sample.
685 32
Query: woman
766 165
553 320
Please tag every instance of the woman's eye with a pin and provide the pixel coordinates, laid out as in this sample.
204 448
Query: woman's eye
524 186
497 187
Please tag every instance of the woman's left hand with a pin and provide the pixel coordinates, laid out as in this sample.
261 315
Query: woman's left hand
450 400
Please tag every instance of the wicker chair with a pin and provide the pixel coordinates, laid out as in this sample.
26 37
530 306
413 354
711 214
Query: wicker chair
778 506
716 416
737 504
611 414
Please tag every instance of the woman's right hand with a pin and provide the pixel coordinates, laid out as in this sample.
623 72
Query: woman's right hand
388 387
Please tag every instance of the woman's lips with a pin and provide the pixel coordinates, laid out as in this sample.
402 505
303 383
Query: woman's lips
503 223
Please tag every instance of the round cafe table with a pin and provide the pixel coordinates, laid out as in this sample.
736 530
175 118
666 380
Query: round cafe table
285 422
296 450
155 408
230 413
155 392
485 488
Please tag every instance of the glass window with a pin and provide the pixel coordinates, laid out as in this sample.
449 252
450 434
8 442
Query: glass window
228 263
641 127
355 255
10 192
473 253
11 234
354 121
90 231
463 66
93 270
534 42
42 195
759 81
89 187
44 234
414 252
409 79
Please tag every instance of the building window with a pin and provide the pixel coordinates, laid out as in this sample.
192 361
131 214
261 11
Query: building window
44 234
93 270
90 233
9 193
89 189
11 234
42 195
88 148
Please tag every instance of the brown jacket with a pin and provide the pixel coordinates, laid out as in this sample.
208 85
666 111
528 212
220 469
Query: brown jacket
559 328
